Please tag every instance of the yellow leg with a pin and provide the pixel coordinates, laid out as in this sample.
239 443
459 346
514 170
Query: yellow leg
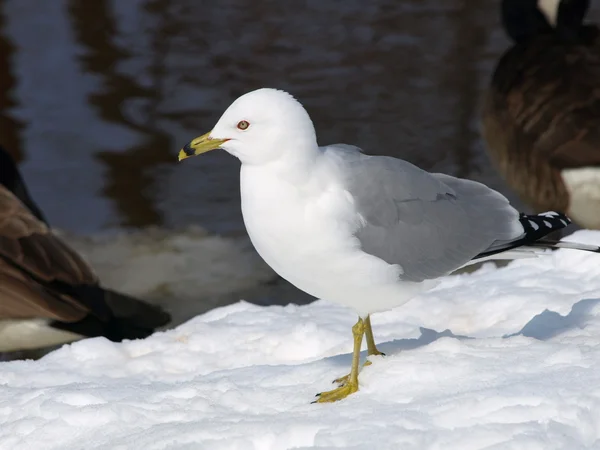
351 386
371 350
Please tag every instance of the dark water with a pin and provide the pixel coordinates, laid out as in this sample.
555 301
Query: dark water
96 97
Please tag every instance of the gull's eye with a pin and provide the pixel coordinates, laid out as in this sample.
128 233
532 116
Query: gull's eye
243 124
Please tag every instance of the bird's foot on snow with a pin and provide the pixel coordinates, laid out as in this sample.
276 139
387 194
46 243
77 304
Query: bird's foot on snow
337 394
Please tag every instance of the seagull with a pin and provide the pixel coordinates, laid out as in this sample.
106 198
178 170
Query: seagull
541 115
367 232
48 294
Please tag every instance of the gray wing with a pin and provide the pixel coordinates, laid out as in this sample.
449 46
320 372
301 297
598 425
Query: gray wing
429 224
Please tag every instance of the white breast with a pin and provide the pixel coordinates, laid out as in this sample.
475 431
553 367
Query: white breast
306 236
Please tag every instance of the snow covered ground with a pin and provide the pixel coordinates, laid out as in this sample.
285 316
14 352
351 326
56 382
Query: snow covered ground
519 368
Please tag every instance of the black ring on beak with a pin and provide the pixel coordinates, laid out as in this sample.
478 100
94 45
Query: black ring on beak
188 150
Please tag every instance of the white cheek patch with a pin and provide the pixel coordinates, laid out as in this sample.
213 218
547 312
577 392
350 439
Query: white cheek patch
550 9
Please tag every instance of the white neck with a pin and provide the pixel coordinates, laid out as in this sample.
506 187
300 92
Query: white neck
296 161
296 165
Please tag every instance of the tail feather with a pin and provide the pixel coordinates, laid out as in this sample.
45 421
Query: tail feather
532 241
129 318
549 243
135 312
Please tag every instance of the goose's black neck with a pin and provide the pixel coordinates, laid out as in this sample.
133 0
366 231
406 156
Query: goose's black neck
524 20
11 179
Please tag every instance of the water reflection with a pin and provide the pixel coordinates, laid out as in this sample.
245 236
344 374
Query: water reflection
128 182
100 95
10 128
463 79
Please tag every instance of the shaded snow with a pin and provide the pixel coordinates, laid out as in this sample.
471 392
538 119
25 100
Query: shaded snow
243 376
186 271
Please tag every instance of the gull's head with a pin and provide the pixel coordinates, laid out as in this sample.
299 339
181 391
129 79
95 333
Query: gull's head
524 19
259 127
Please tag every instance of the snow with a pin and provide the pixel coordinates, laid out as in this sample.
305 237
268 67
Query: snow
509 359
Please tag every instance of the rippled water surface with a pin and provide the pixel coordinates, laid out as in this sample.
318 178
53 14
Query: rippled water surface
97 96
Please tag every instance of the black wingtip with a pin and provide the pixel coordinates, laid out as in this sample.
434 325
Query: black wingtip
539 225
535 227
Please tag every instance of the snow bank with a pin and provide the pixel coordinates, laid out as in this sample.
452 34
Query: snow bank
525 373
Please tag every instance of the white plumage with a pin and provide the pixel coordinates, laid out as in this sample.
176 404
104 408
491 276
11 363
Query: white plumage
368 232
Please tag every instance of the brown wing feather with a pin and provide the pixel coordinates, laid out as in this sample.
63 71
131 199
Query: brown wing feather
542 115
22 297
28 243
30 254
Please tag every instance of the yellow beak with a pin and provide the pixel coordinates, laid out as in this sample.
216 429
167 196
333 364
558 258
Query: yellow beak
200 145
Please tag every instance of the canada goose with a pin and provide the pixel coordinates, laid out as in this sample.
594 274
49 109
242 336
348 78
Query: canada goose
541 118
48 293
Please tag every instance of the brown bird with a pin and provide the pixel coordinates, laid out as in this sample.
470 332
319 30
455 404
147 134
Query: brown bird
48 294
541 118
